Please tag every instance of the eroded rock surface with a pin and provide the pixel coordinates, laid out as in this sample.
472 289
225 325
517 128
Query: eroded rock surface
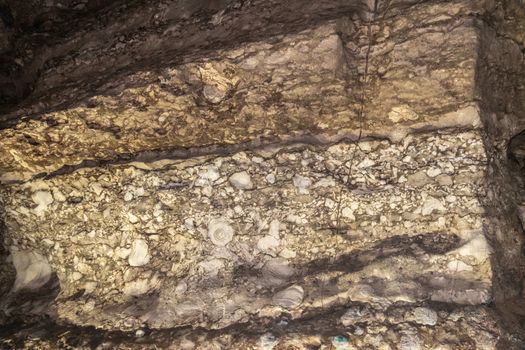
263 175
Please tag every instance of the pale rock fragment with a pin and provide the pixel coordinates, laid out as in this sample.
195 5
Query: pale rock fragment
59 196
402 113
270 178
444 180
276 271
139 192
132 218
331 52
220 232
422 315
122 253
43 199
212 266
410 341
325 182
287 253
268 341
267 243
140 286
290 297
189 224
458 266
89 287
348 213
451 198
75 276
181 288
302 183
97 188
296 219
430 205
477 247
209 173
214 93
366 163
433 172
464 296
241 181
274 228
32 269
139 254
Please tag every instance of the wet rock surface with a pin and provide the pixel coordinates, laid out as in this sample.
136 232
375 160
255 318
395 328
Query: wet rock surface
262 175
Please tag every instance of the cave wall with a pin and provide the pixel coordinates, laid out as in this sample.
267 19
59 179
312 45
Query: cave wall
218 166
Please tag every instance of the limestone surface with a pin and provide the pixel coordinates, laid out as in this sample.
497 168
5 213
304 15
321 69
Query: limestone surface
262 174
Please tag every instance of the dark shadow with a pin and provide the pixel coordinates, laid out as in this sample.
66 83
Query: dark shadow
246 21
516 152
405 245
315 321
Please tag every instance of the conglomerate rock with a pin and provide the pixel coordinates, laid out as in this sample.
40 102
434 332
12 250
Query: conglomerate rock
263 175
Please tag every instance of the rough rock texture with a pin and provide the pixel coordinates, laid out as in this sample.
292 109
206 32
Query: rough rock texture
263 175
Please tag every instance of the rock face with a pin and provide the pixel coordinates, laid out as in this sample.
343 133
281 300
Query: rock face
279 170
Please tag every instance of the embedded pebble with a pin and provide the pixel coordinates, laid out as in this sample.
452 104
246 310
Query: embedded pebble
209 173
348 213
268 243
433 172
139 254
430 205
220 232
270 178
458 266
274 228
423 315
241 181
302 183
32 269
214 94
277 271
354 314
43 199
268 341
290 297
410 342
132 218
97 188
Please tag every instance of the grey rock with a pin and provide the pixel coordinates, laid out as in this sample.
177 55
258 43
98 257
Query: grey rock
423 315
290 297
355 314
241 181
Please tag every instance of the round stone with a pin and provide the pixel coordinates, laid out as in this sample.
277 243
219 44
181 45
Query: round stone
241 181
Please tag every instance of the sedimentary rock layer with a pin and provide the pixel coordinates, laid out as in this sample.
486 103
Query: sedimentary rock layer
215 238
231 175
